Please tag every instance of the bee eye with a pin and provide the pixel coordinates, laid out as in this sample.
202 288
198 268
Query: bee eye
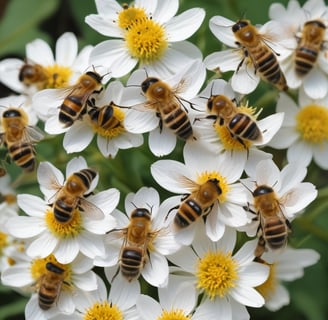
11 113
147 83
239 25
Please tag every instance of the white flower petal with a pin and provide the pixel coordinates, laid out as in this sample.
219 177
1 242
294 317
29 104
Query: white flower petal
9 277
162 142
156 270
78 137
222 29
32 205
245 80
185 24
224 61
38 51
67 250
25 227
247 296
86 281
316 85
148 308
42 246
301 152
165 10
66 49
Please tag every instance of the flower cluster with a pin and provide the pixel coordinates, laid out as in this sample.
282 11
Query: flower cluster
176 239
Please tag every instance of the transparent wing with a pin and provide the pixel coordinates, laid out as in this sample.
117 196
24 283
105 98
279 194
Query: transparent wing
90 209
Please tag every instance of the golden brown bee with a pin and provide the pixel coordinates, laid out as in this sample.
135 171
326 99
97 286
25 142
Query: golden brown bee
50 285
197 204
240 125
137 237
262 56
274 227
104 116
309 46
74 104
161 97
19 138
71 195
33 74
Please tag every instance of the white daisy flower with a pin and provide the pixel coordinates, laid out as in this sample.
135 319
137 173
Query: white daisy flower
147 32
99 305
156 115
304 131
82 231
246 75
292 194
207 186
305 65
106 119
226 280
284 267
32 274
42 69
142 231
217 99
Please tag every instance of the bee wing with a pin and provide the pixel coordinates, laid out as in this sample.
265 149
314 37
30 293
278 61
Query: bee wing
91 210
33 134
50 179
188 183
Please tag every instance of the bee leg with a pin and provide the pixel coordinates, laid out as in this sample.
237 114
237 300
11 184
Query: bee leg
176 207
260 248
289 225
115 275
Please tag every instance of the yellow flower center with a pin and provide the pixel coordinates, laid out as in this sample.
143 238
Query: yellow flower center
38 269
216 274
64 230
176 314
9 198
228 140
3 241
205 176
109 127
129 15
146 40
58 77
103 311
312 123
269 287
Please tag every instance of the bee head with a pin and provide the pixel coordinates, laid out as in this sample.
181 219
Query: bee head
262 190
12 113
239 25
147 83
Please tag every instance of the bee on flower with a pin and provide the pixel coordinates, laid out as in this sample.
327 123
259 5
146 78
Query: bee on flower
164 106
229 126
67 221
148 35
51 285
305 28
42 69
139 244
254 54
207 187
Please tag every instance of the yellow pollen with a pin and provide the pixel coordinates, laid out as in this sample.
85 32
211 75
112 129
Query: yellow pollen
3 241
176 314
112 127
64 230
146 40
216 274
229 142
205 176
38 269
11 261
58 77
9 198
268 288
129 15
312 123
103 311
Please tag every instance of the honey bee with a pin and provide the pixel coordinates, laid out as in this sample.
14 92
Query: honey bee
50 285
19 138
74 104
262 56
33 74
137 237
309 46
198 203
240 125
274 227
104 116
168 106
71 195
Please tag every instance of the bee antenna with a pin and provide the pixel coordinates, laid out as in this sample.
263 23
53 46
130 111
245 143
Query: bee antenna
247 187
134 205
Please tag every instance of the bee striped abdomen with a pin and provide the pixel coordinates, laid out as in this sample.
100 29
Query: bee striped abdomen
131 262
305 58
69 109
275 234
178 121
242 125
188 213
23 155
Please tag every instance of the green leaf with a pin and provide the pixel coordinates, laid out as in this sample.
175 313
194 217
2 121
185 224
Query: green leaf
20 22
